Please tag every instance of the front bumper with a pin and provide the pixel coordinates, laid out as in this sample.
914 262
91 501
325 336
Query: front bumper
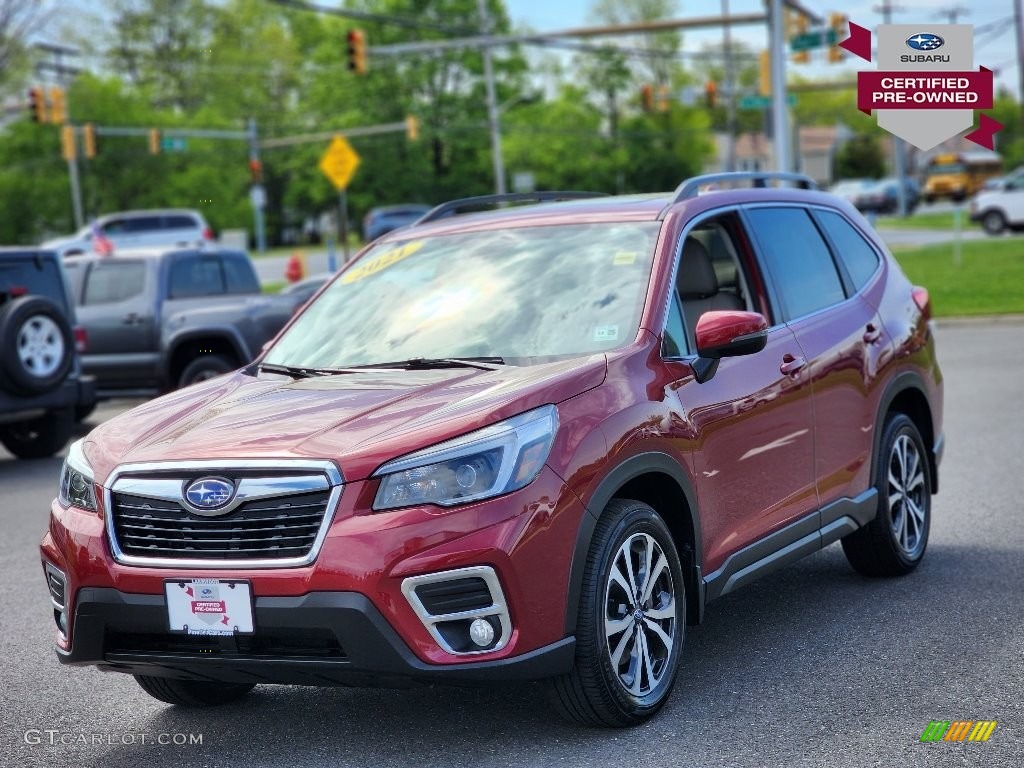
349 600
321 638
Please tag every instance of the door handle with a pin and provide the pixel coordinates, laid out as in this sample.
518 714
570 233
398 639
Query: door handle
131 319
791 364
872 334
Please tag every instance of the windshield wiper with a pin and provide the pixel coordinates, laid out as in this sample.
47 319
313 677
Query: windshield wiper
297 372
423 363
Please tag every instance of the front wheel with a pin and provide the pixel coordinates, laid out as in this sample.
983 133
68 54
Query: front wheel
204 368
629 633
192 693
993 222
893 544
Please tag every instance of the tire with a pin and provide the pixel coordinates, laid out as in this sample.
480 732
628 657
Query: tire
204 368
993 222
36 345
894 543
192 693
82 412
609 684
41 437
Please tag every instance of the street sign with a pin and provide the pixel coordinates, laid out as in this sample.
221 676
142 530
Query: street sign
815 38
339 162
763 102
173 144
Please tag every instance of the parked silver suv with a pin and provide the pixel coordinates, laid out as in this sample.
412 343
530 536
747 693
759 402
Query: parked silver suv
177 227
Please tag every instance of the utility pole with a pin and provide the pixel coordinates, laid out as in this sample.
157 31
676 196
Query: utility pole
257 195
955 12
492 104
730 91
780 117
887 8
1018 17
76 187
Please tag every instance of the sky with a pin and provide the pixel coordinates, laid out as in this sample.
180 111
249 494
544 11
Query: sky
995 50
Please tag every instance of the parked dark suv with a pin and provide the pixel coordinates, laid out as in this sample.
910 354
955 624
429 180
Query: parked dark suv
531 443
40 384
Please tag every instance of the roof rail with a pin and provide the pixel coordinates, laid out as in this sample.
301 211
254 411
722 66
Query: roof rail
454 206
690 187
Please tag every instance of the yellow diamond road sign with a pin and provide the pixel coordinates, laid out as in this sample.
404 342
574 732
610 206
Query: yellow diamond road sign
339 162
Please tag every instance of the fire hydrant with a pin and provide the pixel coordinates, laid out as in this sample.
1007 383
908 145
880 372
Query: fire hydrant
295 269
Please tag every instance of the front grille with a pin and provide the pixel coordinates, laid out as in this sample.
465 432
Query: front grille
454 596
281 643
271 528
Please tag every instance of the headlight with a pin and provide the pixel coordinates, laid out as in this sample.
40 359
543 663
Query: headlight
491 461
76 482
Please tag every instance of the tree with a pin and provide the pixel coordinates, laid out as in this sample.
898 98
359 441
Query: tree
18 20
860 157
660 65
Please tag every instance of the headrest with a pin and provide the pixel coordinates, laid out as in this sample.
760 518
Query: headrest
696 279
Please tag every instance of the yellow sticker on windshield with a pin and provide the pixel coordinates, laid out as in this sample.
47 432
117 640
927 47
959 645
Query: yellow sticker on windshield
624 257
382 261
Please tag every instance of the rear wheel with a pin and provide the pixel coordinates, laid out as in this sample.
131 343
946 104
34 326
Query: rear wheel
893 544
629 634
192 693
38 438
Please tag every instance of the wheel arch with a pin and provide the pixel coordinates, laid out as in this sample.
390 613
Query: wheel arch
658 480
181 349
907 395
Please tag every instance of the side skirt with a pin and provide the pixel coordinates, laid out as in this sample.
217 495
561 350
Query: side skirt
796 540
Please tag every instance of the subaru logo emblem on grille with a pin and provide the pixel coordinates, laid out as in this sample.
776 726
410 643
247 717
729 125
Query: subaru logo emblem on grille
924 41
209 493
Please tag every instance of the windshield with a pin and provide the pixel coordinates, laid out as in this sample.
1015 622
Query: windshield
525 292
935 170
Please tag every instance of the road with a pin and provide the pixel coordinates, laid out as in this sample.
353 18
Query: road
812 666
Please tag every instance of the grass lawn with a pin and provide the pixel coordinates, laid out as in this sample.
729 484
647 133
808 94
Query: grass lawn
988 281
273 287
942 220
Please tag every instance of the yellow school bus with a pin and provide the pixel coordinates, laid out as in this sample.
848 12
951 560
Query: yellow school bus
959 175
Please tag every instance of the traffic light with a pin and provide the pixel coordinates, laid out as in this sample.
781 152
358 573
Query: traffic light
37 105
838 23
357 51
154 141
663 98
801 57
647 97
67 143
764 74
89 139
412 128
58 106
256 171
711 94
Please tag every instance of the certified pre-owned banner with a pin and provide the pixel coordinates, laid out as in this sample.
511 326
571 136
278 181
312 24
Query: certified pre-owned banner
926 88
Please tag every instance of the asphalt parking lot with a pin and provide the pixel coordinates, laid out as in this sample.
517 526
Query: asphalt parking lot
812 666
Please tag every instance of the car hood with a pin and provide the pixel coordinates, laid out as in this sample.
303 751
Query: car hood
359 420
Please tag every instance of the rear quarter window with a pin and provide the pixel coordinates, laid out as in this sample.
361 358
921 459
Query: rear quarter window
179 221
29 276
854 251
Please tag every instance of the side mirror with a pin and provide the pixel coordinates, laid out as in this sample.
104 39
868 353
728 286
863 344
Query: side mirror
727 334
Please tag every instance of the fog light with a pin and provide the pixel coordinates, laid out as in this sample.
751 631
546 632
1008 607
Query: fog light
62 622
481 632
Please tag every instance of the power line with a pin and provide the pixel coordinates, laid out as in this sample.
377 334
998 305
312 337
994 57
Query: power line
377 18
953 13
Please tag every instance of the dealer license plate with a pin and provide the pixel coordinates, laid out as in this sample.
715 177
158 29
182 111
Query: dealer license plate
209 606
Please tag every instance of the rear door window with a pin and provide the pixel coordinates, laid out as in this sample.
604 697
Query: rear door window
196 275
798 260
854 251
114 281
239 274
138 225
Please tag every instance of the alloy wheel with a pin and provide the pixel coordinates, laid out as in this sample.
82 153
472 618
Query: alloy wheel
907 495
40 346
640 614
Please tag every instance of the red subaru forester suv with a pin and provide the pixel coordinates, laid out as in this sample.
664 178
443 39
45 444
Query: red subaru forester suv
521 444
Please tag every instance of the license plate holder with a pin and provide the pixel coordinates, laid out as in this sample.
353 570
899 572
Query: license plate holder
218 607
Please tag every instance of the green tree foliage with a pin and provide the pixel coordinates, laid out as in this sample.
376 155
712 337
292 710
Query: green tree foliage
860 157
